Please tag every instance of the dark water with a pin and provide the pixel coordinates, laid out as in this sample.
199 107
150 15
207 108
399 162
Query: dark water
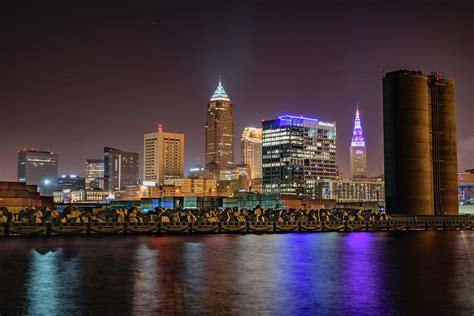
280 274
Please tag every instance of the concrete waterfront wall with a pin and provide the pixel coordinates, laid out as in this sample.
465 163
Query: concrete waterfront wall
89 229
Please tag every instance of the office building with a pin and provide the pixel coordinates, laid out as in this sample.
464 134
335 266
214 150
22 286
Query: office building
358 150
71 183
196 187
234 180
120 169
466 190
251 148
235 173
94 174
38 168
420 143
296 152
81 196
219 133
351 190
163 156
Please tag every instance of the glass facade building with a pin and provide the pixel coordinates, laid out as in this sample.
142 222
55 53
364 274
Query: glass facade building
39 168
121 169
94 174
296 152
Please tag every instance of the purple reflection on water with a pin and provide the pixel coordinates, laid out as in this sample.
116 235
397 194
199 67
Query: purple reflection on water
327 268
362 273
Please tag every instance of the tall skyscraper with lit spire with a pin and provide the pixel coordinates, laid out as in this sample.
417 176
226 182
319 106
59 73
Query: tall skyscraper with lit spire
219 132
358 150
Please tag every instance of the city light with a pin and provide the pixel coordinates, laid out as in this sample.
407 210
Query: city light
220 94
358 137
289 117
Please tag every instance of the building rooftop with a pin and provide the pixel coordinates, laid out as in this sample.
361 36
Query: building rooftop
36 151
295 120
220 94
95 160
357 134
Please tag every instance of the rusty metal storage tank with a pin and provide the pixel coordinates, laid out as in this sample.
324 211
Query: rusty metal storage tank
407 143
445 168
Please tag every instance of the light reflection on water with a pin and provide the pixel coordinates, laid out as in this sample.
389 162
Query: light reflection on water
51 280
145 279
280 274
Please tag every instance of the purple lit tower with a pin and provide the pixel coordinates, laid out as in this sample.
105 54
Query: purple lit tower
358 150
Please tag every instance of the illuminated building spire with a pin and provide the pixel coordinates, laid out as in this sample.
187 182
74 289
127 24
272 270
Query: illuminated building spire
219 133
220 94
358 149
357 134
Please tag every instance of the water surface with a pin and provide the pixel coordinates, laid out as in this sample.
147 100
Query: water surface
388 273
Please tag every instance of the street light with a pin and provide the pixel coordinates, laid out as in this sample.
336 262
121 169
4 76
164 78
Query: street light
46 182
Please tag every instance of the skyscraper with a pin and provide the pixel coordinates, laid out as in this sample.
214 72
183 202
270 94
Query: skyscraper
39 168
163 156
420 143
219 132
121 169
94 174
297 151
358 150
251 147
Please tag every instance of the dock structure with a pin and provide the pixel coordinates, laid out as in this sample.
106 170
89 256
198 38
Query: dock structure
166 228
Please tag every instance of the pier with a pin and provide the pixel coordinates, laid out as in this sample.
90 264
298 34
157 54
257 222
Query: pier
166 228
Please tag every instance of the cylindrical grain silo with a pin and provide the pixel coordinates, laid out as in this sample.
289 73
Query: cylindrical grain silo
407 143
448 167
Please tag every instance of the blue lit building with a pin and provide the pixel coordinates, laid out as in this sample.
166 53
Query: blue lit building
297 151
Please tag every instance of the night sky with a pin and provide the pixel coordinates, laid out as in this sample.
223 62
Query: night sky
75 79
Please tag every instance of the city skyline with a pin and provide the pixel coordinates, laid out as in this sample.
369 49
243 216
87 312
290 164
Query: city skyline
315 82
244 157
